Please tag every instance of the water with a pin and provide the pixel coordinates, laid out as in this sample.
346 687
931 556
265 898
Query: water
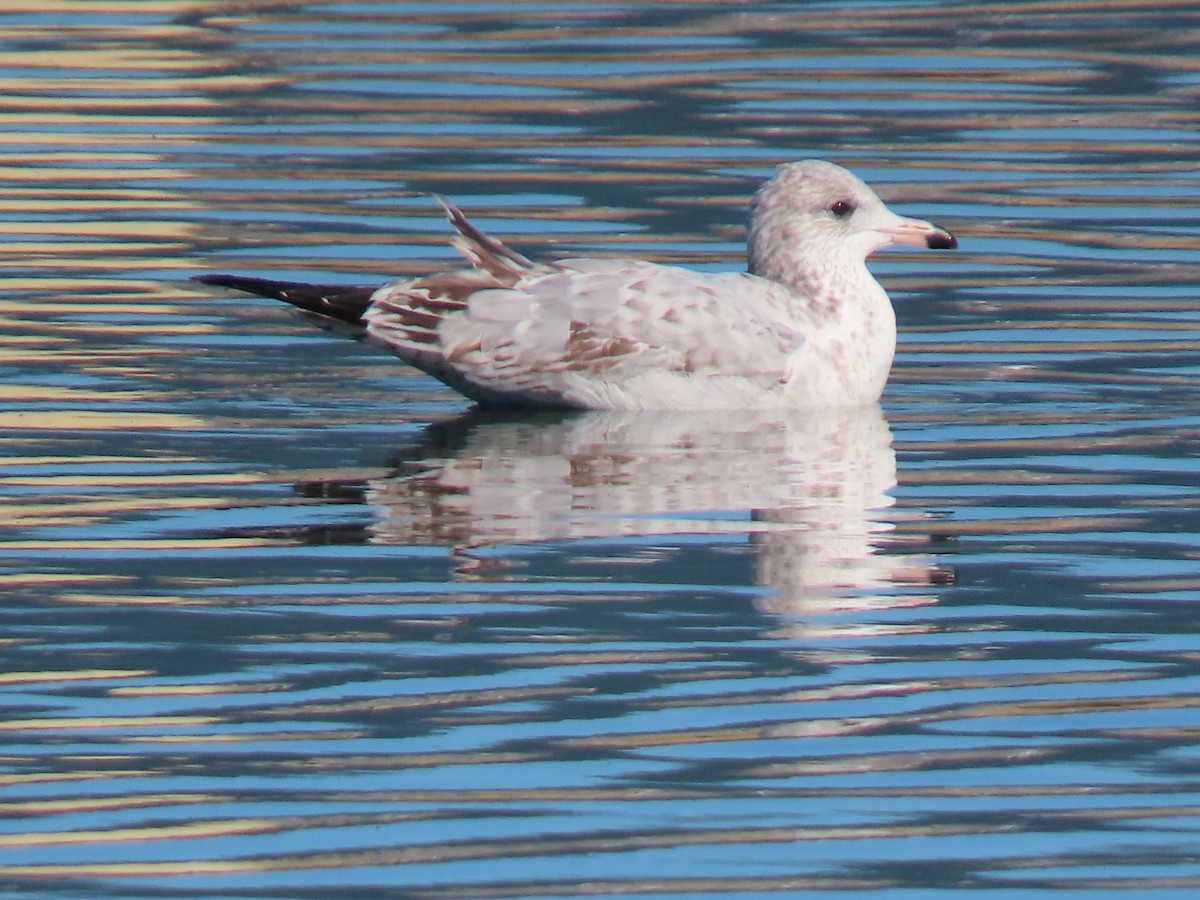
284 618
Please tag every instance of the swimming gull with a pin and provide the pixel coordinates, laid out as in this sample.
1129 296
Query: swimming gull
806 326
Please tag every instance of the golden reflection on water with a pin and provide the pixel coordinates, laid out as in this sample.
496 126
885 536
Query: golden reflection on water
199 135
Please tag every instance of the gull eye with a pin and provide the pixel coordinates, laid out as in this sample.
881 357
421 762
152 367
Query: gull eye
841 209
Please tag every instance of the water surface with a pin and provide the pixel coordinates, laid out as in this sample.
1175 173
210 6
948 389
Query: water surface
285 618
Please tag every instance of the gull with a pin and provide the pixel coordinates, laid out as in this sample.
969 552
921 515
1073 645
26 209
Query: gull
807 326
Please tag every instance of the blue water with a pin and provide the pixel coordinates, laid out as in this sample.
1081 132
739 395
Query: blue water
285 618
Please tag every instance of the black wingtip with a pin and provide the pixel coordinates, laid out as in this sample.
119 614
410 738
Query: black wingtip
343 302
263 287
233 281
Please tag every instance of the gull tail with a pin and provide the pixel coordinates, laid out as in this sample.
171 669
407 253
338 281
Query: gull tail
343 302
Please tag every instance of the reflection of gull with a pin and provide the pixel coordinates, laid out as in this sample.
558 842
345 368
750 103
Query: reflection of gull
806 326
809 494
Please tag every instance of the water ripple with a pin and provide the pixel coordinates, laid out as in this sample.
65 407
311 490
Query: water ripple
285 618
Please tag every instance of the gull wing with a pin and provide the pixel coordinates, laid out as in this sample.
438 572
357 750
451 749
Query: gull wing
557 336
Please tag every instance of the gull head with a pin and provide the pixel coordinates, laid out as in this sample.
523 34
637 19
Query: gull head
814 216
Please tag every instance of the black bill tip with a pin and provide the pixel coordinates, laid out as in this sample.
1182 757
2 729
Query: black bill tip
941 240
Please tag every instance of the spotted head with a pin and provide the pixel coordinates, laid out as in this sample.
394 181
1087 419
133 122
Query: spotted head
813 215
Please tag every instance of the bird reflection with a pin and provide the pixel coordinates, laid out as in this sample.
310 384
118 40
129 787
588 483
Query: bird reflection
810 490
